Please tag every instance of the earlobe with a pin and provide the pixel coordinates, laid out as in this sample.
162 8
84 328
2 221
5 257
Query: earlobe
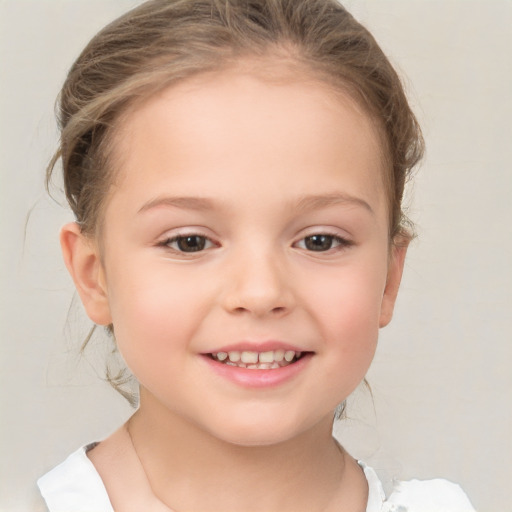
83 262
395 270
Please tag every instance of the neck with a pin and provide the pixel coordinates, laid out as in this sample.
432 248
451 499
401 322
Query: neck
189 469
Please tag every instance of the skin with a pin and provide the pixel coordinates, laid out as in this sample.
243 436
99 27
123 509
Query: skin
255 167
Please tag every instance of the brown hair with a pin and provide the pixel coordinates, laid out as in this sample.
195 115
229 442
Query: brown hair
164 41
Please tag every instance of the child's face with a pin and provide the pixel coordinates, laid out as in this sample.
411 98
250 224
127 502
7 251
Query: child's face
247 216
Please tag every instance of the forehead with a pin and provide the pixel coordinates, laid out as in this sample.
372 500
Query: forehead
242 124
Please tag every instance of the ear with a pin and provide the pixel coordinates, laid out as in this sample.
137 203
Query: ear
82 259
395 269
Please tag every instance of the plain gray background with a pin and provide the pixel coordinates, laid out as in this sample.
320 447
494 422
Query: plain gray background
442 376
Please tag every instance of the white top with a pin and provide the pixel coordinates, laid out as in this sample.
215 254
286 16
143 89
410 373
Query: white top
75 486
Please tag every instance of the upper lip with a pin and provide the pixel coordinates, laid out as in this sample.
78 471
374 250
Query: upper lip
251 346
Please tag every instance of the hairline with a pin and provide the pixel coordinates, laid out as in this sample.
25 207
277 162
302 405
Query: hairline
339 88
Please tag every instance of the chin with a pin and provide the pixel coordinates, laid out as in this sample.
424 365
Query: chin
262 433
257 439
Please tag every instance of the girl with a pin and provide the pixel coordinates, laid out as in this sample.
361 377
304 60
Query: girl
236 169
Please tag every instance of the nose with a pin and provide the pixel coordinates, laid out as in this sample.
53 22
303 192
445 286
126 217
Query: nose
258 282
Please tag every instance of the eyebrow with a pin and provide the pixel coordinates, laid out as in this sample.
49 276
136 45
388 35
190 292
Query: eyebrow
315 202
305 203
188 203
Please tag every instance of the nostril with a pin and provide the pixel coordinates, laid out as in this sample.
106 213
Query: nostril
258 298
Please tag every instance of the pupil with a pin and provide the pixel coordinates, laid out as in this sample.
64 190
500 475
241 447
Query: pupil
191 243
319 242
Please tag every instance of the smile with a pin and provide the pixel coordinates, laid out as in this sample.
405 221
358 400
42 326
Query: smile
266 368
268 360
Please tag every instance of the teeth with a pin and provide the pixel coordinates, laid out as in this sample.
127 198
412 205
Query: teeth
222 356
278 355
289 355
268 360
267 357
249 357
234 356
260 366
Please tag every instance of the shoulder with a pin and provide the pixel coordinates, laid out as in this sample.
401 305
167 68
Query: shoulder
74 486
436 495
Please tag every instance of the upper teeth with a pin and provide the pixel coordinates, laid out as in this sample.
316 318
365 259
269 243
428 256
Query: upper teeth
250 357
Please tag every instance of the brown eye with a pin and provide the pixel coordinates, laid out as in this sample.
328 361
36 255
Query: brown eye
189 243
319 242
192 243
322 242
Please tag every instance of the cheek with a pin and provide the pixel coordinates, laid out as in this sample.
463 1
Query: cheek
153 314
347 313
352 335
350 299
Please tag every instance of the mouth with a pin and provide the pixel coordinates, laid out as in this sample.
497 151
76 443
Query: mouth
252 360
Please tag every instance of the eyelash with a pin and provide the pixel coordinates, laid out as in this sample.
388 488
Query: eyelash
342 243
206 243
179 238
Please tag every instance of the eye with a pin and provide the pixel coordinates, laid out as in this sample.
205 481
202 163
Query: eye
322 242
188 243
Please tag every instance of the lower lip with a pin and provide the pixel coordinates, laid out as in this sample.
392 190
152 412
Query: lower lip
258 378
